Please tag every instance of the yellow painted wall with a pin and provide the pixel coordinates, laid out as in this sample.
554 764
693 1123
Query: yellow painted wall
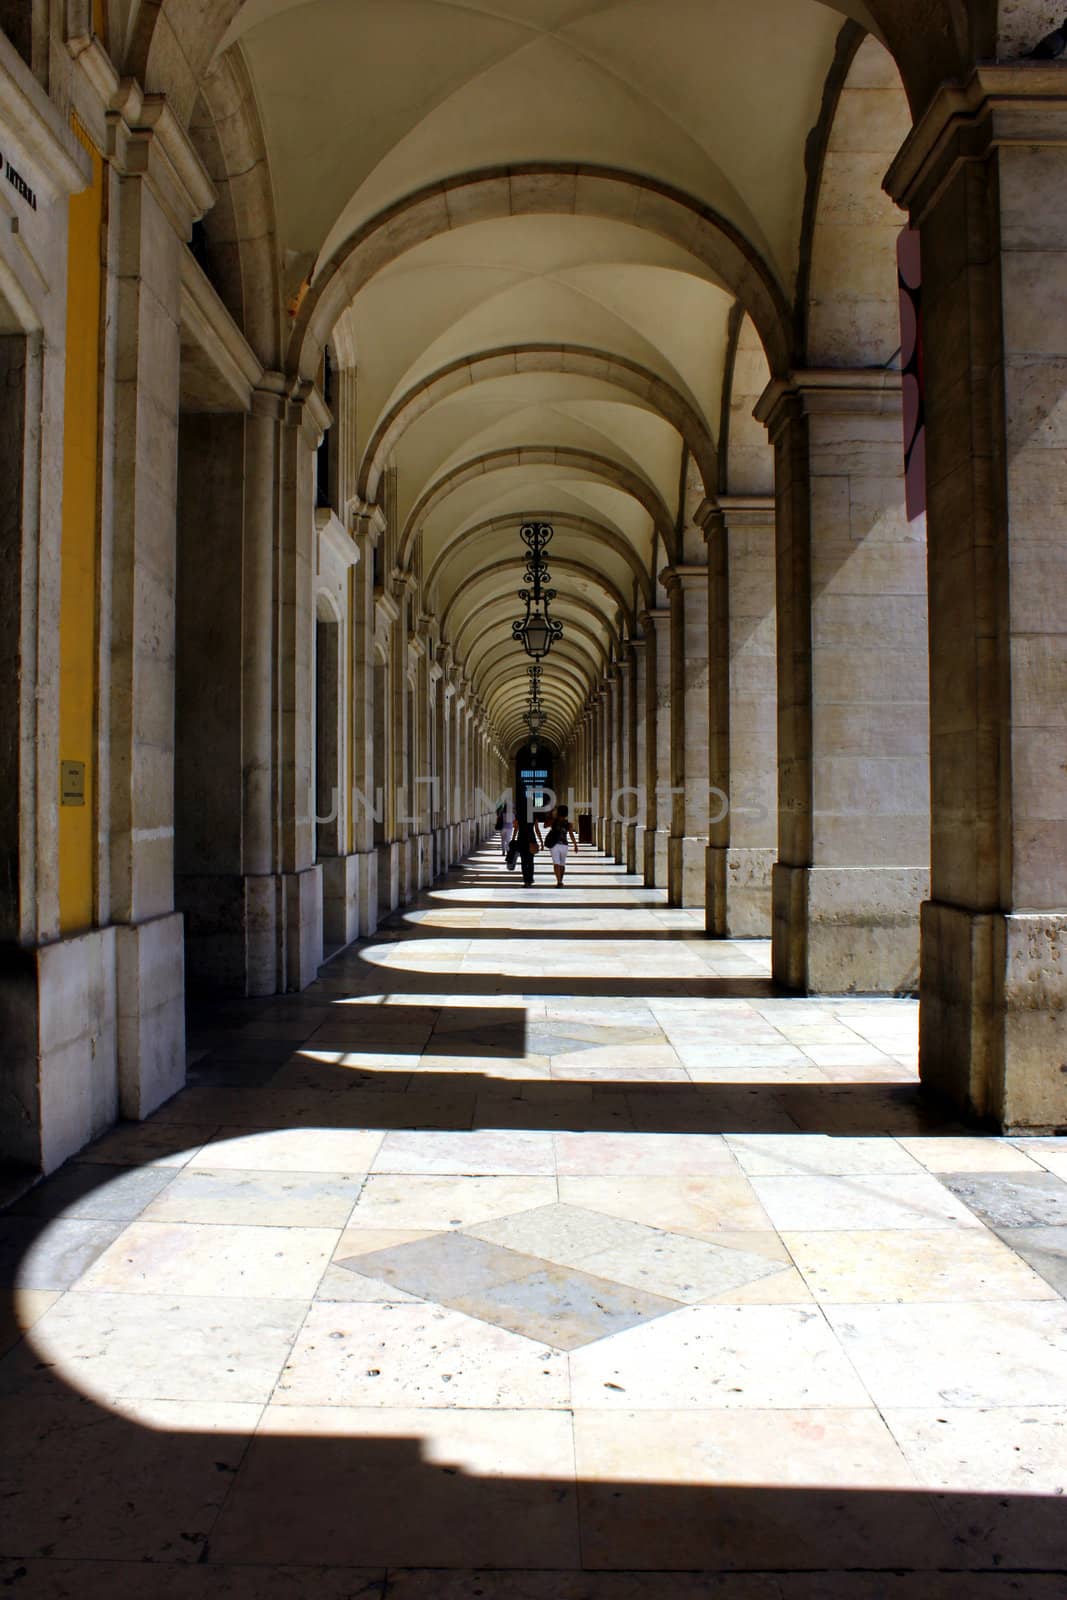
81 498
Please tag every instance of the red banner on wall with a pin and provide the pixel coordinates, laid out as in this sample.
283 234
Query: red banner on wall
909 280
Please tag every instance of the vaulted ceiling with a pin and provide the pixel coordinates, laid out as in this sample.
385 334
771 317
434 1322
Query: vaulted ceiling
532 226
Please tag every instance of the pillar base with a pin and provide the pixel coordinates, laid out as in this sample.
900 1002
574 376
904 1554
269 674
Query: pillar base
388 878
150 980
408 862
59 1068
738 894
847 930
93 1029
340 900
634 844
657 841
424 857
303 926
618 842
686 870
993 1015
367 891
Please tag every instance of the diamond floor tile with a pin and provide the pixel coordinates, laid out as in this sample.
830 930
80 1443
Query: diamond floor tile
564 1308
576 1276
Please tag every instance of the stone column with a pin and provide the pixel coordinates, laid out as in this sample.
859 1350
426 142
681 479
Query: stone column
620 746
852 693
446 758
368 527
635 833
388 752
687 588
402 584
422 800
658 747
603 762
161 189
58 1069
435 764
743 828
983 175
625 806
611 754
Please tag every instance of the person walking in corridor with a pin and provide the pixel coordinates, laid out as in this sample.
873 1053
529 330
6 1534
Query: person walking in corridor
503 826
560 829
527 835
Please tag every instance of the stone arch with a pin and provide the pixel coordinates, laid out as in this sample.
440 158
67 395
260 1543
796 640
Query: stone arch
539 188
560 564
584 461
847 313
629 375
746 455
500 608
238 246
564 669
588 526
577 637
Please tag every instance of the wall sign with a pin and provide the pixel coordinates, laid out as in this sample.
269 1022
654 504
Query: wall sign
909 281
72 783
18 182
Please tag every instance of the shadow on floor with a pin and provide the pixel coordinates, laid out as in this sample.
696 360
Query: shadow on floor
174 1499
154 1505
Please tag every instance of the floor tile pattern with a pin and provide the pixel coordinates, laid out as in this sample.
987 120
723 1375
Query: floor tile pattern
541 1250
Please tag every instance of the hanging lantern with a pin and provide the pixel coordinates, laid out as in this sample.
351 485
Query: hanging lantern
538 630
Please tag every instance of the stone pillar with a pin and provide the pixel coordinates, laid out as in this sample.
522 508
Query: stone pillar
687 588
658 747
447 713
983 175
368 527
388 752
619 778
161 189
743 828
852 691
58 1068
402 585
611 751
604 761
421 802
626 801
635 832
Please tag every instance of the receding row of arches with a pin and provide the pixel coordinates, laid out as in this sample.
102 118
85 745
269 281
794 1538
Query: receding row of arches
625 268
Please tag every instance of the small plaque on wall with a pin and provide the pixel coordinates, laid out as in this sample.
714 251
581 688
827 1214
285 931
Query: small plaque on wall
72 783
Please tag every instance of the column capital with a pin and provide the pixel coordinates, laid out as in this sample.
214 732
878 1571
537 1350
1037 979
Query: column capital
829 391
1014 103
741 511
655 617
683 577
294 403
146 140
367 522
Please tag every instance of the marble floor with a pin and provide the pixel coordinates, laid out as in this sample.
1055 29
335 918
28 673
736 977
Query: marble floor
541 1251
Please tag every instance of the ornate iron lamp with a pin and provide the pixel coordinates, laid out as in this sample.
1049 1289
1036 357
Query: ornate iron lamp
537 631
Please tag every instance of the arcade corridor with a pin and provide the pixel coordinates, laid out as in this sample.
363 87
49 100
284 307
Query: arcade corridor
542 1234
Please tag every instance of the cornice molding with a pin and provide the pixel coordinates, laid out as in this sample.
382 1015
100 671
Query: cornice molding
208 323
146 140
334 537
1019 103
61 166
830 391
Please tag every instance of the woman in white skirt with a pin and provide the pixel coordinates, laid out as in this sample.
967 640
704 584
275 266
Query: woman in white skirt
559 829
